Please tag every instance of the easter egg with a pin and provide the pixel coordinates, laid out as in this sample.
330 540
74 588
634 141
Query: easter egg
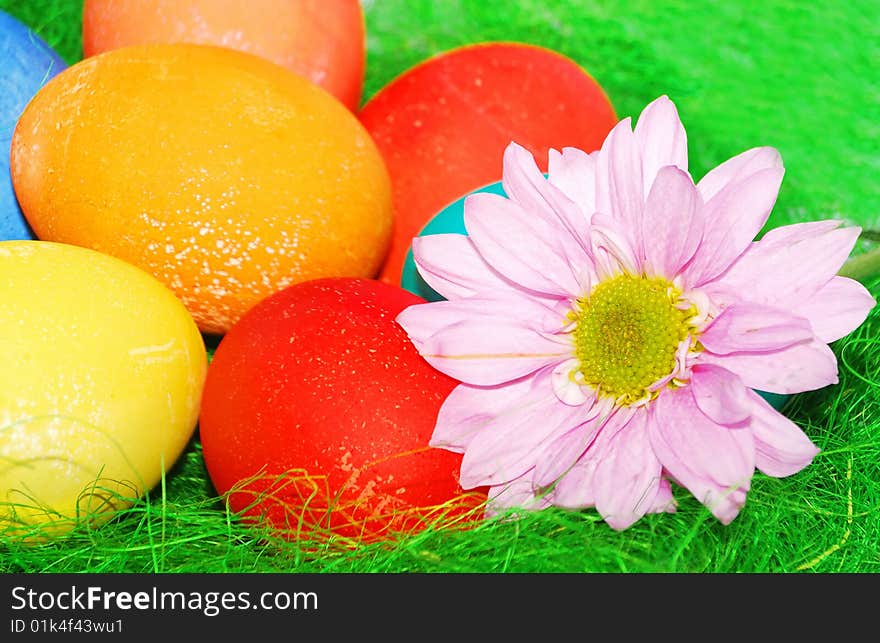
450 220
220 173
442 126
317 414
101 392
322 40
28 62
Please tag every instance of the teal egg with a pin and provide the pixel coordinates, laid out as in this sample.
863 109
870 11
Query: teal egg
776 400
451 220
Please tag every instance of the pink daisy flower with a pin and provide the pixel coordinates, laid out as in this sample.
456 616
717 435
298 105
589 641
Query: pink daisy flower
610 323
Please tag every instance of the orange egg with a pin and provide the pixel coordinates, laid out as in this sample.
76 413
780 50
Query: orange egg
220 173
323 40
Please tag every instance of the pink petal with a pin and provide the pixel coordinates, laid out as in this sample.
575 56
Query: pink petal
572 467
575 488
664 501
486 352
713 462
661 138
720 394
608 237
506 448
738 168
732 219
802 367
421 321
790 264
627 475
519 245
574 172
469 409
837 308
517 494
524 183
619 188
568 389
745 326
562 452
451 265
781 448
795 232
673 223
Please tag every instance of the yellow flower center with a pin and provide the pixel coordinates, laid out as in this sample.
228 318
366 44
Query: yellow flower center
627 332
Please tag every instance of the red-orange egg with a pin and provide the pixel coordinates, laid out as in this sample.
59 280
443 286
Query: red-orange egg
323 40
317 412
442 125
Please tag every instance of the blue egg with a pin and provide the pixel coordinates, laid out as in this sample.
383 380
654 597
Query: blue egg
28 63
451 220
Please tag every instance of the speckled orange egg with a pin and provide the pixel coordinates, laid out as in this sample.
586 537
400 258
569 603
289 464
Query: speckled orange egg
323 40
220 173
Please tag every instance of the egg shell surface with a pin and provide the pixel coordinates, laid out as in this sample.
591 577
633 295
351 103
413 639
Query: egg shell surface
442 126
101 389
322 40
222 174
318 411
28 62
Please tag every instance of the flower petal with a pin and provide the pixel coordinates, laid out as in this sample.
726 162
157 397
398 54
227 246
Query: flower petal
713 462
732 218
451 265
720 394
469 409
664 501
745 326
519 245
837 308
575 489
524 183
781 448
567 388
612 247
574 172
563 451
540 314
791 263
619 183
627 475
506 448
661 138
571 461
485 351
673 223
517 494
800 367
737 168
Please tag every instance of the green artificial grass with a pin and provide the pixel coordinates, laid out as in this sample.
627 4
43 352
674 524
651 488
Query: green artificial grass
798 76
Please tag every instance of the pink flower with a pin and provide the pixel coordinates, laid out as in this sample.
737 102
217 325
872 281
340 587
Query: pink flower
609 323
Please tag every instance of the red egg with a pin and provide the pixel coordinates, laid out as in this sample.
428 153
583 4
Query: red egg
317 412
442 126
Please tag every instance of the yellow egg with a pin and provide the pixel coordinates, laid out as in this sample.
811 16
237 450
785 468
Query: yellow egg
100 387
